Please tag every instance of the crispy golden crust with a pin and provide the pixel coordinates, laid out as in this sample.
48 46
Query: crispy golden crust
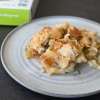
31 53
60 47
74 32
55 44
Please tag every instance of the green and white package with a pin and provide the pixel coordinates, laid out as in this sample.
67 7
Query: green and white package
16 12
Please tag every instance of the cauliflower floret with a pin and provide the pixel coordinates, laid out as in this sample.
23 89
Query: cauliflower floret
93 63
68 51
49 61
70 68
55 44
62 46
92 52
81 58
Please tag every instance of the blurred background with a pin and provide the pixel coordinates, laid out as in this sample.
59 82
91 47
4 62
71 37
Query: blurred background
9 89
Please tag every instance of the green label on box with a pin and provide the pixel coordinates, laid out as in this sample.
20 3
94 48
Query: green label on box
14 16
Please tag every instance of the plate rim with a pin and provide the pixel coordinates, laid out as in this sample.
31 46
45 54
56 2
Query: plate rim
40 91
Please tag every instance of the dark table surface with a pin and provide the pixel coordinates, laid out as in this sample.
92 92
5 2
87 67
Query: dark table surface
9 89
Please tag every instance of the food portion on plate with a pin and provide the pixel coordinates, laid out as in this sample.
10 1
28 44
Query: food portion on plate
61 47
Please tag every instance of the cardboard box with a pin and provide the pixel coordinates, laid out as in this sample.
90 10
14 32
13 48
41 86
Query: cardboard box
16 12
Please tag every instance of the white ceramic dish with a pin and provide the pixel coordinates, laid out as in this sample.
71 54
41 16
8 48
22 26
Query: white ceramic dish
28 72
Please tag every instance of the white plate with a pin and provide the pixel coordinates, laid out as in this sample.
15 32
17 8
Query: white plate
28 72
